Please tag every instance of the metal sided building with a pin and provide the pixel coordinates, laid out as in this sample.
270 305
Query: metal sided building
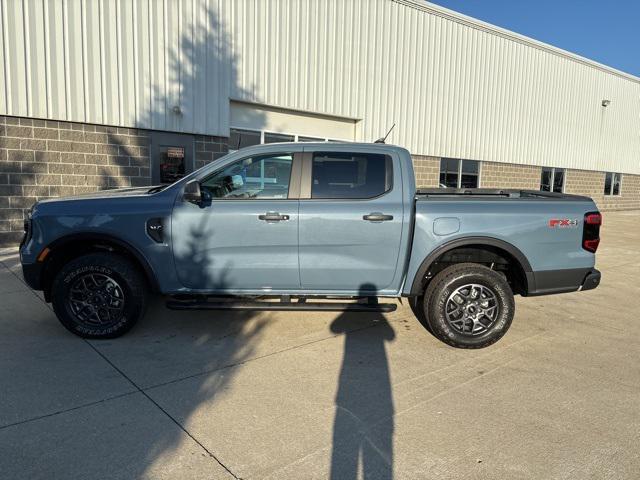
108 93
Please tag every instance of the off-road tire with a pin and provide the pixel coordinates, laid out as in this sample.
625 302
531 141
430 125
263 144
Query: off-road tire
416 304
129 280
445 283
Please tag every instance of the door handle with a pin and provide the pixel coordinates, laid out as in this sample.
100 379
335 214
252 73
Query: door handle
273 217
377 217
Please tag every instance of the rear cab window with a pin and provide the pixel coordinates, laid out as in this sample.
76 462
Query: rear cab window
350 175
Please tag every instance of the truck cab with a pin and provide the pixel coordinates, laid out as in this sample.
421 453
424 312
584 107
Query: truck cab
320 218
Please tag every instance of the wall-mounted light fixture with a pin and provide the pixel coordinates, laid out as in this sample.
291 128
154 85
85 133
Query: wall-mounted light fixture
178 111
605 103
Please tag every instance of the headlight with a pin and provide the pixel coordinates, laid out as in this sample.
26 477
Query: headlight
27 227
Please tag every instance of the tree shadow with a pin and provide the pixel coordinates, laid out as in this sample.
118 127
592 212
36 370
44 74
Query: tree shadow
363 424
188 350
185 350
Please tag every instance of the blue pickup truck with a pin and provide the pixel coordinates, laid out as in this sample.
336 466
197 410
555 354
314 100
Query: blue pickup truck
309 226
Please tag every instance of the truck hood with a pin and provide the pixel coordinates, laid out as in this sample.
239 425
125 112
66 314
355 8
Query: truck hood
112 193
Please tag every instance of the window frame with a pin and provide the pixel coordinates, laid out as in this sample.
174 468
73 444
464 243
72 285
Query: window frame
459 171
610 193
553 179
293 191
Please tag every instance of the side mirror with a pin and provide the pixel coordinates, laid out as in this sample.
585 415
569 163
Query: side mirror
192 193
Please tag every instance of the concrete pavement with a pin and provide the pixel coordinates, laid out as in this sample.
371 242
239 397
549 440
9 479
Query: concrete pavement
310 395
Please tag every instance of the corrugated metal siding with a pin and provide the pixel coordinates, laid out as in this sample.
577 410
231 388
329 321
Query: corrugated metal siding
454 88
116 62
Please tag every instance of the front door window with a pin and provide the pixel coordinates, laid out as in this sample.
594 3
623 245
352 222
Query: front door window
264 176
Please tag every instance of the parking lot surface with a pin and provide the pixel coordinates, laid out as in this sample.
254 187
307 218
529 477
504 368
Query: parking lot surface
313 395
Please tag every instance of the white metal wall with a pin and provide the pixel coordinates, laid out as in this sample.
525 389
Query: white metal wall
454 86
117 62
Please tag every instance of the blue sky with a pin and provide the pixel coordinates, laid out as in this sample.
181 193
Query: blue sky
605 31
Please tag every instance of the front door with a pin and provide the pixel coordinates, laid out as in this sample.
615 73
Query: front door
246 236
351 221
172 156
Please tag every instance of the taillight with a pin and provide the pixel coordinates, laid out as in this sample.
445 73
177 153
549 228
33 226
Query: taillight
591 231
593 219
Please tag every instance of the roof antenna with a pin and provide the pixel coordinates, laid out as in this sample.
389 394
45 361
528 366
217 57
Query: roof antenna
384 139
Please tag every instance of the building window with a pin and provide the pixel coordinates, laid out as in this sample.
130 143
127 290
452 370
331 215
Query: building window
456 173
612 183
244 138
241 138
278 137
552 179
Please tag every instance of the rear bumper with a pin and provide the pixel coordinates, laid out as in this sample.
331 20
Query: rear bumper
591 281
549 282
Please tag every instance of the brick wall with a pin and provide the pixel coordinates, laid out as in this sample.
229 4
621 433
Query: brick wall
507 175
41 159
427 171
585 182
209 148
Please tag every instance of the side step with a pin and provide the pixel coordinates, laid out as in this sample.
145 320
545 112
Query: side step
300 306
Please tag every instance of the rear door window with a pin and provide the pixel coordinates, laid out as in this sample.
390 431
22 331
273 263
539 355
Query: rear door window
344 175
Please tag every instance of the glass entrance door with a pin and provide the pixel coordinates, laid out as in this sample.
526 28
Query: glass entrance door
172 166
172 156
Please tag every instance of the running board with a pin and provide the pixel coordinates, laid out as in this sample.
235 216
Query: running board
281 306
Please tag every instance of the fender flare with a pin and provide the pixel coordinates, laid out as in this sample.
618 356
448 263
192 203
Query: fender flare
516 253
108 238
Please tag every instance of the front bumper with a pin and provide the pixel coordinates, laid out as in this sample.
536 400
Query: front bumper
32 273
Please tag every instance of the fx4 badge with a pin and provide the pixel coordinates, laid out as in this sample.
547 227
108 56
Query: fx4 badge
562 223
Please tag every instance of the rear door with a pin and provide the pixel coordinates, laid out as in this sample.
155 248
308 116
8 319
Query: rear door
351 214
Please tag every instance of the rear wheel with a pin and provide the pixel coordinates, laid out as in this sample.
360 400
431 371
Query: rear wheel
469 306
417 307
99 295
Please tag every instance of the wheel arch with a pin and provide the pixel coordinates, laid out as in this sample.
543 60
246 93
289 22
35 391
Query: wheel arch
68 247
509 249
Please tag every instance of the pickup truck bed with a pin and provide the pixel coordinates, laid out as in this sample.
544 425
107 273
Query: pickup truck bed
537 229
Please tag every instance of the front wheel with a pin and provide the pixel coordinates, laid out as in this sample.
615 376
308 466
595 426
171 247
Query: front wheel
99 295
469 306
